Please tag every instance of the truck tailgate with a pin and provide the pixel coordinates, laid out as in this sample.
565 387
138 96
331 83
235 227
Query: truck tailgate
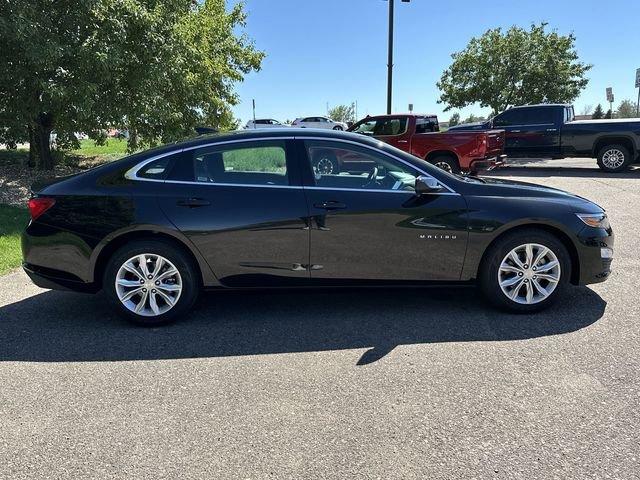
495 142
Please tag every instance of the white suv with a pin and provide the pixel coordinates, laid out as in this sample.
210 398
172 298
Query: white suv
319 122
264 123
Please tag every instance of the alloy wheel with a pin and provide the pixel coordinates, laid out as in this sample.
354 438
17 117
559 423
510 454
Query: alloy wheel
324 166
529 273
444 166
148 285
613 158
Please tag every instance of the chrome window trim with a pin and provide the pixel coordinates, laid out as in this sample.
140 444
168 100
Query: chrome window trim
131 174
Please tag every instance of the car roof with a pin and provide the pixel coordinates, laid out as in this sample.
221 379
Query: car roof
542 105
251 134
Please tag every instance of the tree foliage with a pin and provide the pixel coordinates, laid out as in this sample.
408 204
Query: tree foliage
156 68
343 113
516 67
454 119
627 109
598 113
474 118
608 115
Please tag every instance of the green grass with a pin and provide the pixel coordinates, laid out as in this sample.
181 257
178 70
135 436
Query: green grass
12 222
113 147
262 159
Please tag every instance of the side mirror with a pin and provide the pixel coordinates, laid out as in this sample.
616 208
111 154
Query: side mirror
426 185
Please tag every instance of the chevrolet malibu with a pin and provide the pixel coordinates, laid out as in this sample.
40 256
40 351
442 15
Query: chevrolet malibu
250 209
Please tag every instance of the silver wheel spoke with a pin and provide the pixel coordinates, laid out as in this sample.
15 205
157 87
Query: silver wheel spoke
510 269
529 254
169 288
131 268
529 292
541 253
143 302
510 281
169 273
158 267
130 294
547 266
549 278
514 292
128 283
514 257
540 288
170 300
142 262
154 304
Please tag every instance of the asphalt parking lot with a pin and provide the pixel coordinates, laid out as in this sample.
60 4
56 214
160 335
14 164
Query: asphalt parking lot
333 384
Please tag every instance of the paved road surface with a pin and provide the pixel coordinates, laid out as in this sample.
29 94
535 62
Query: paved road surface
358 384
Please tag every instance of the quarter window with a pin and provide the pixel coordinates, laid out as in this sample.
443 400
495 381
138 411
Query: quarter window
157 169
337 165
258 163
383 127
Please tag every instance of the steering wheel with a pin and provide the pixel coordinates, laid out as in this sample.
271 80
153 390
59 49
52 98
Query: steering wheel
371 179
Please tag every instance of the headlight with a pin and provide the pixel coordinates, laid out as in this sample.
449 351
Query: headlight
597 220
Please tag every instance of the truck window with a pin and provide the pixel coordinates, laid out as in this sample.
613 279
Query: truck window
427 124
508 118
538 115
382 127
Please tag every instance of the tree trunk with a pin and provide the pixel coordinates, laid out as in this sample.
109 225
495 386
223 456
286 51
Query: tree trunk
45 159
33 149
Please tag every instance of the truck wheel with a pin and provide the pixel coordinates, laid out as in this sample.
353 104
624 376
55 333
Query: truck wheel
614 158
446 163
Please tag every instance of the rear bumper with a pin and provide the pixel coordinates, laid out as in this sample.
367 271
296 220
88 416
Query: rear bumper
56 280
487 164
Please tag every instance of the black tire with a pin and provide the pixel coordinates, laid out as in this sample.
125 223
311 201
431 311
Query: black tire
616 151
488 276
189 275
325 163
338 127
447 163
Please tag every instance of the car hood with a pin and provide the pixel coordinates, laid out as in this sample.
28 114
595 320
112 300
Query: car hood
511 188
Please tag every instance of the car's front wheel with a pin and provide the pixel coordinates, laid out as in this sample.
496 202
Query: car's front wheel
338 127
525 271
151 282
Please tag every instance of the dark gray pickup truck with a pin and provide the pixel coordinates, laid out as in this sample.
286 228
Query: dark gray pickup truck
551 131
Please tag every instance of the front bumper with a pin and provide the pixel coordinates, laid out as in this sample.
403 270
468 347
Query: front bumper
596 254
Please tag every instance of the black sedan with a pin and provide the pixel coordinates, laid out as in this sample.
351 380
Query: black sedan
255 209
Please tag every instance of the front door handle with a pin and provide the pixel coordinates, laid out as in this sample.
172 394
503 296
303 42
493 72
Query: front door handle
516 131
193 202
331 205
403 141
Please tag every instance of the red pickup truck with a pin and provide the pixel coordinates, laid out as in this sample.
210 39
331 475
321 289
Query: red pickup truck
460 151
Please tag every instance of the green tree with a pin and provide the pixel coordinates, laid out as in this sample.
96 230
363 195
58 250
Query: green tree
474 118
343 113
598 113
626 109
608 115
156 68
516 67
454 120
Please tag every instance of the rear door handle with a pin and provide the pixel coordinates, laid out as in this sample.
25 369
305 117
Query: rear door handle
331 205
403 141
516 131
552 129
193 202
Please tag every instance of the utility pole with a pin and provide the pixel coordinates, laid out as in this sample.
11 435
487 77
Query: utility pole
390 56
390 59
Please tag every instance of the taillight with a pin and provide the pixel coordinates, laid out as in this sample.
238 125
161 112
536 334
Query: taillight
39 205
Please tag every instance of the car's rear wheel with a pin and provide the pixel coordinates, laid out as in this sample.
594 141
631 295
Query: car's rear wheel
525 271
446 163
338 127
151 282
614 158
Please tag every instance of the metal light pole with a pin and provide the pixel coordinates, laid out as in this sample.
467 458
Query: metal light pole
390 56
